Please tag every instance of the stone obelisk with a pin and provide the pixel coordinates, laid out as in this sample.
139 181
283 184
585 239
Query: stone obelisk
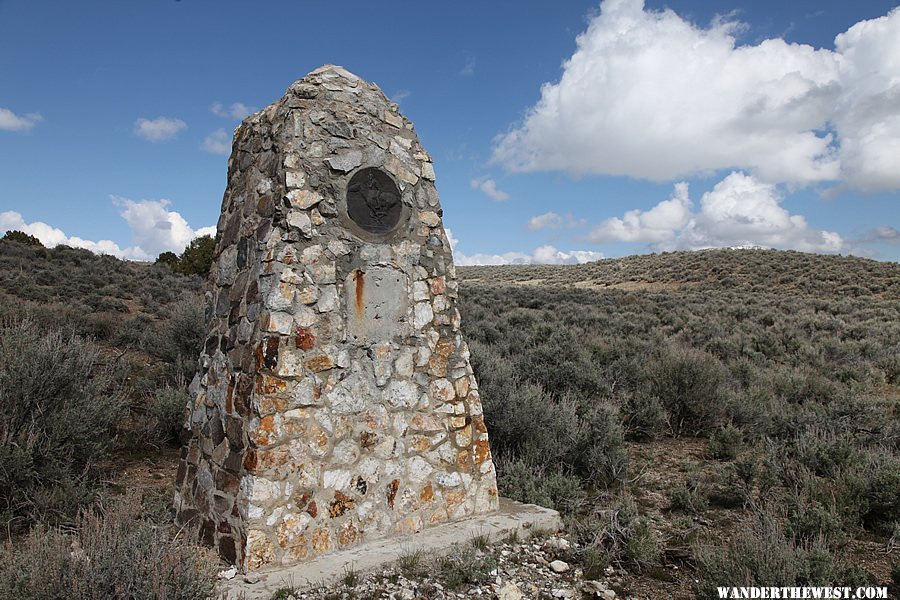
335 401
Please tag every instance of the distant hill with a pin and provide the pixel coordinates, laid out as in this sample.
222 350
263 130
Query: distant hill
751 270
76 289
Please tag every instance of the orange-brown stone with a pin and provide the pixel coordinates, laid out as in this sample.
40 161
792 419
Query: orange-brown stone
299 551
347 534
482 451
321 540
427 494
266 384
319 363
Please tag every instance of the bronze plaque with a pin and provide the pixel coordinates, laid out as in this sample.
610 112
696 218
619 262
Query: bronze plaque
373 201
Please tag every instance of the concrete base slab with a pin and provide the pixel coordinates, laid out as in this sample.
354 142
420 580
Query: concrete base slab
512 516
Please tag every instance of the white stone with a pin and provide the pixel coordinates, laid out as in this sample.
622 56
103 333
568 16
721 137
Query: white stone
304 199
559 566
338 479
420 291
345 162
449 479
402 394
428 171
304 316
265 490
295 179
351 395
423 315
510 591
280 322
418 469
439 303
346 453
300 220
403 366
328 298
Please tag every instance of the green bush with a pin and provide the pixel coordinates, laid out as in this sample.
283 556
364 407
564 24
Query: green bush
760 554
197 258
465 564
618 533
59 404
118 554
21 237
534 484
167 410
726 443
644 417
688 498
691 385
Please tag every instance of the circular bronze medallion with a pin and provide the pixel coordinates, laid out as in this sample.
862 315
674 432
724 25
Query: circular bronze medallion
373 201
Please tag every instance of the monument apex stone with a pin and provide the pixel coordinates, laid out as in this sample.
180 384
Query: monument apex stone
334 402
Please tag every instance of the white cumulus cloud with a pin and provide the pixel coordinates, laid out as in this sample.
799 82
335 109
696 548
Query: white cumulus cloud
154 229
648 94
489 187
740 210
158 129
10 121
218 142
658 224
551 220
52 236
543 255
237 110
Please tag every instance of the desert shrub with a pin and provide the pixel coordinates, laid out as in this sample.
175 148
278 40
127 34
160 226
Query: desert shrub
534 484
882 492
167 411
557 363
810 520
465 564
824 452
180 340
760 554
691 385
688 498
725 443
116 554
732 485
618 533
527 424
599 455
58 407
644 417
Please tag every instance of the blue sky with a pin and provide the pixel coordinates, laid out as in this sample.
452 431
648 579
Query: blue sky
561 131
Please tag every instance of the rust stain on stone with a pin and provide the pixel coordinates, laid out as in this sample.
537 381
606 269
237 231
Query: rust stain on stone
359 279
312 509
392 492
305 338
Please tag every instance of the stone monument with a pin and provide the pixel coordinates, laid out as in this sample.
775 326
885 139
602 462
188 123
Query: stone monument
335 401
